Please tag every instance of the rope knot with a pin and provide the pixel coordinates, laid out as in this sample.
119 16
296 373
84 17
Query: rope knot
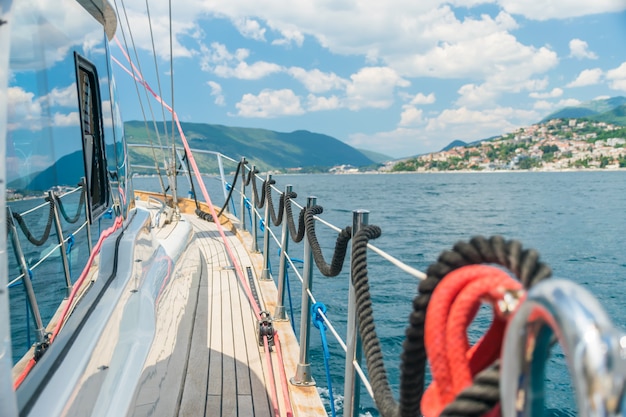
317 310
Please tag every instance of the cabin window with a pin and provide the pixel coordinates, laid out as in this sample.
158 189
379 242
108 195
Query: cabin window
90 110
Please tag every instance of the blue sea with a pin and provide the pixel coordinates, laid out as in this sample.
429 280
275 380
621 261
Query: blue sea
575 220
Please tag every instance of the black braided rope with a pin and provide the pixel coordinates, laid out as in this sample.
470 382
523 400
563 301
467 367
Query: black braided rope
523 263
371 345
67 218
46 233
479 398
296 235
277 219
208 216
259 202
341 245
251 174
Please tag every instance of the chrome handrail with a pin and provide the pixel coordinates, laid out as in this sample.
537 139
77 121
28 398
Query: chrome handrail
595 351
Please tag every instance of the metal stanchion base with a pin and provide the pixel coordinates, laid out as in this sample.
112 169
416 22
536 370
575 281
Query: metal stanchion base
265 275
280 314
303 376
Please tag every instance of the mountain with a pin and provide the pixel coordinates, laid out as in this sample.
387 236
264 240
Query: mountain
375 156
264 148
590 109
615 116
70 174
454 144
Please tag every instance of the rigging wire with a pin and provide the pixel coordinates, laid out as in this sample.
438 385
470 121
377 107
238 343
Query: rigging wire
125 50
172 92
158 78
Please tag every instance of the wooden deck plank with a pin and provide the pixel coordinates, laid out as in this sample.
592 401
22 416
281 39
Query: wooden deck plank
237 378
229 377
196 379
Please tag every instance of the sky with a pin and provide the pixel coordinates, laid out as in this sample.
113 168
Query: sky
396 77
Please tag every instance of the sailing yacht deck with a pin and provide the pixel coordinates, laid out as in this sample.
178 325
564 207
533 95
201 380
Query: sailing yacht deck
209 361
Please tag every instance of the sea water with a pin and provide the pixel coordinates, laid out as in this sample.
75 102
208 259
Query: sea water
575 220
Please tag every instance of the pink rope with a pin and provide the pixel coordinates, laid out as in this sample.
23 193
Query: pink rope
257 311
272 380
283 376
137 75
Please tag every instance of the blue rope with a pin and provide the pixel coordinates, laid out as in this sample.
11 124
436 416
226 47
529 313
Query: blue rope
318 322
28 337
227 186
68 251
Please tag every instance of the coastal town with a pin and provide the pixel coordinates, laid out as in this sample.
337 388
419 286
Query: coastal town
555 145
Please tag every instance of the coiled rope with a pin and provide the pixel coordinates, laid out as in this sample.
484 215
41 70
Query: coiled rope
68 219
46 233
483 395
341 245
523 263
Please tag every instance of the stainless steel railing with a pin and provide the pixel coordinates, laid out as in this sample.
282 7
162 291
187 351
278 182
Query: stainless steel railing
65 238
354 375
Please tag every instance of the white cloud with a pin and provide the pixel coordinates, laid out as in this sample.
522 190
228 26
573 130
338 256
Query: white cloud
315 103
587 77
250 28
316 81
62 24
555 92
219 61
411 116
24 110
617 77
373 87
27 111
290 35
420 98
65 97
70 119
216 91
451 124
560 9
243 71
580 49
270 103
544 106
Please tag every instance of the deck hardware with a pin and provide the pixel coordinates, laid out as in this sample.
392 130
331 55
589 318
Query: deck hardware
41 347
265 328
243 196
303 375
593 346
26 278
279 312
265 274
352 387
253 215
62 243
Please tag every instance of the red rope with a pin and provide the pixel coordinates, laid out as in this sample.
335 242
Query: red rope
451 309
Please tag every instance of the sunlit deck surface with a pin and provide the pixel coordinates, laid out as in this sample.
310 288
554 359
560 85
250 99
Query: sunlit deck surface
206 359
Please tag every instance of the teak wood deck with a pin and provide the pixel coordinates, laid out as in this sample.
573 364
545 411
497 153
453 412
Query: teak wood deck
213 365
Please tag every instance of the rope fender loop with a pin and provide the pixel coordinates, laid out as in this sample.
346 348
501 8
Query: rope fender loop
452 308
523 263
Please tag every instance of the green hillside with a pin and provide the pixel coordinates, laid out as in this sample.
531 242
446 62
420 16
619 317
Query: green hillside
599 110
266 149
